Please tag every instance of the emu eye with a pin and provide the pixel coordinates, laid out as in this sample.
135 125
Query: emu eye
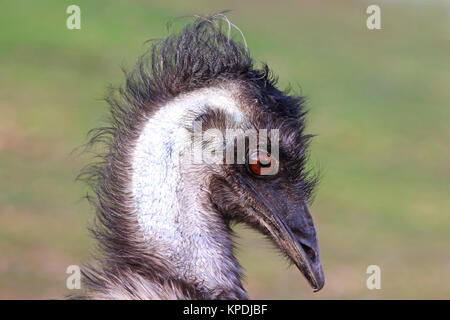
262 164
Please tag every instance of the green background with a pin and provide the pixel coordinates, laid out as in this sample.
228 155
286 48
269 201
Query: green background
378 100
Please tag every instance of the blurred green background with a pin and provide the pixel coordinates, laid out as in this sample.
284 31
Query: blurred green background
379 103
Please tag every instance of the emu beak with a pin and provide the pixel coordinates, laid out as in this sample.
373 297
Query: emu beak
300 242
291 226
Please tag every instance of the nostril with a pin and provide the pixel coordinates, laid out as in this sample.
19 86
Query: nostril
309 251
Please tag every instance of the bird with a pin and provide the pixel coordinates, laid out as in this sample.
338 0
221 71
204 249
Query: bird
164 224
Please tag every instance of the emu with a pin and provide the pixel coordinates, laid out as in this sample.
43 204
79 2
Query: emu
163 224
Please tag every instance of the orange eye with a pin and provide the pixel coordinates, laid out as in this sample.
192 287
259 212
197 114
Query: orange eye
262 164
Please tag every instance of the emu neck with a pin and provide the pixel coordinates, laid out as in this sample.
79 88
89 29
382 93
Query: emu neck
171 205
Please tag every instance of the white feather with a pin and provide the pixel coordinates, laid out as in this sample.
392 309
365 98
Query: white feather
171 222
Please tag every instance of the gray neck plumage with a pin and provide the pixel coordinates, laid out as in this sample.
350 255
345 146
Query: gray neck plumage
172 207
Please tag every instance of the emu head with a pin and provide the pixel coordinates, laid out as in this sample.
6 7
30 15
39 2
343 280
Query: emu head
200 138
